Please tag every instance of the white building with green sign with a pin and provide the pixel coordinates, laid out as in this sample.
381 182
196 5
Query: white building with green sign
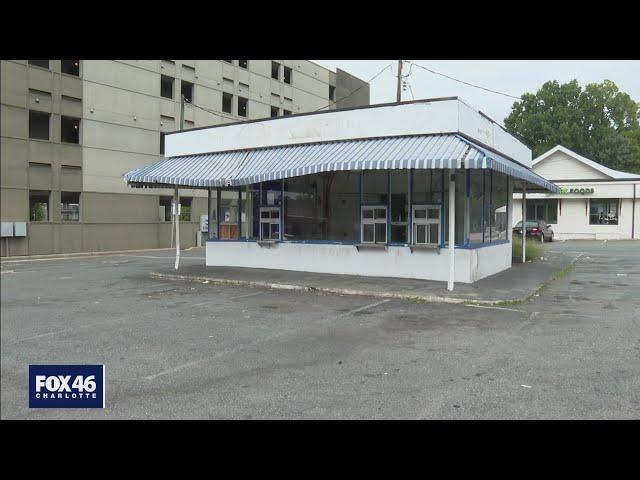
594 202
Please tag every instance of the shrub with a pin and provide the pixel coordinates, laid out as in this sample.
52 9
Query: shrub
534 248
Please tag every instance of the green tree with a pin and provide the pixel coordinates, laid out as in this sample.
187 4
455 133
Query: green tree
599 122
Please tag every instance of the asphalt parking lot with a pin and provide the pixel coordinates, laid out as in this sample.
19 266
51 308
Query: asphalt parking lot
179 350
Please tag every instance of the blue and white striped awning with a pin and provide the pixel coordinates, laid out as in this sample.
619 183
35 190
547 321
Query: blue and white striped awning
483 158
245 167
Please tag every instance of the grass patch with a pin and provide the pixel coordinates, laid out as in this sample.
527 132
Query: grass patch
534 248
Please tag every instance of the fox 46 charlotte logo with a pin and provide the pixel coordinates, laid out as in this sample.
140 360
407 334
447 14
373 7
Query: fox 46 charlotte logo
66 386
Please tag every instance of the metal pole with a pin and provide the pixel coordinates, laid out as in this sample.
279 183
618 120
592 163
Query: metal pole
399 92
176 203
524 222
452 231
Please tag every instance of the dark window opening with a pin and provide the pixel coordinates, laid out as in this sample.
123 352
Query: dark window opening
40 63
287 75
70 130
275 70
332 93
228 61
162 134
166 87
70 206
242 106
165 208
227 99
70 67
275 111
39 206
39 125
286 112
186 88
243 63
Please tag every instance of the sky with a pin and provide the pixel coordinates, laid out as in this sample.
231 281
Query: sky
513 77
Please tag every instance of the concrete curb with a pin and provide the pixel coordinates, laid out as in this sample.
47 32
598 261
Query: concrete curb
338 291
60 256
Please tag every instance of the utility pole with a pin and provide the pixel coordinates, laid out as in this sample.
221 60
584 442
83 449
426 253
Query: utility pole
399 94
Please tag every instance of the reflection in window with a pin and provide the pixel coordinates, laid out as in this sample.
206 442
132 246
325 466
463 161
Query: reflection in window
500 194
229 211
546 210
399 216
476 200
603 211
375 187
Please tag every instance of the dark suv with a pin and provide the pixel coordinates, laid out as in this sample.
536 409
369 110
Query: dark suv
535 228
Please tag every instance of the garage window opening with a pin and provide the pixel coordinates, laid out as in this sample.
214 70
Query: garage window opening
166 87
186 88
39 125
70 67
70 130
39 206
70 206
226 102
603 211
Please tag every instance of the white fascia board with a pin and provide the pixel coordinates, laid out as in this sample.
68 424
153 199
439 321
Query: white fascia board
616 174
419 118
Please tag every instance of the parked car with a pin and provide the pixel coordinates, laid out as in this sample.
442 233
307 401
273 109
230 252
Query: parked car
535 228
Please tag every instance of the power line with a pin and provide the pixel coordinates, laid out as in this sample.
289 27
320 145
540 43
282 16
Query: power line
354 91
462 81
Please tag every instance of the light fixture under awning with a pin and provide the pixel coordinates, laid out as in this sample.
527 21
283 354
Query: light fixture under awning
244 167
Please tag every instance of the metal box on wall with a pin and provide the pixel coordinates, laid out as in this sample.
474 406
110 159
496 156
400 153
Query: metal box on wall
7 229
20 229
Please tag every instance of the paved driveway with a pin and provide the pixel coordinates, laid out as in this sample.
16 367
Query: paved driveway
181 350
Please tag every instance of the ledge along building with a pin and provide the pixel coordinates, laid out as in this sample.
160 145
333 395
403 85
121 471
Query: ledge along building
419 189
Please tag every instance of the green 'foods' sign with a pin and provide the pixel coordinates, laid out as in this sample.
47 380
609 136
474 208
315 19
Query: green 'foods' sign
582 190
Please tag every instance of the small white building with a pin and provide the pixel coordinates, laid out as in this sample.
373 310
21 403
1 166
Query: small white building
419 189
594 202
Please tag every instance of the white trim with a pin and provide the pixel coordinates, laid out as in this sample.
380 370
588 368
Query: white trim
615 174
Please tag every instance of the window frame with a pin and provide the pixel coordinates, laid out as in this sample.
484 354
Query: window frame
273 64
271 221
373 221
246 65
426 221
286 69
609 201
187 83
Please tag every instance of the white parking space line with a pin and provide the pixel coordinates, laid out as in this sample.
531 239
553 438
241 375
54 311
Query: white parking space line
496 308
367 306
247 295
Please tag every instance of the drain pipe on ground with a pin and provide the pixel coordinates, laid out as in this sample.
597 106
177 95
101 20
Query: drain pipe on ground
176 216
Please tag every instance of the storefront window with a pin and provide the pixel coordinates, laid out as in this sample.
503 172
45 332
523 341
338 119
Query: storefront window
229 227
213 216
546 210
343 201
476 201
375 187
427 187
488 205
399 216
499 206
305 207
248 213
603 211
